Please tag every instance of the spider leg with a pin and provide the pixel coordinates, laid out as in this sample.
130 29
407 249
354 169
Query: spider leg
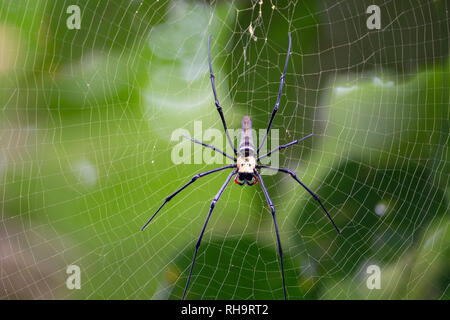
272 209
209 146
213 204
277 104
284 146
315 196
219 108
183 187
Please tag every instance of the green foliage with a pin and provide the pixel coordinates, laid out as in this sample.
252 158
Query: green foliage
235 269
384 194
85 159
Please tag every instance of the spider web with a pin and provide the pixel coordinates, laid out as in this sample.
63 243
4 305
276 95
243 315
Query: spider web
90 119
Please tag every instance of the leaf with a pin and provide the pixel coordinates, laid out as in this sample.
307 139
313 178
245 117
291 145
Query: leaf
234 269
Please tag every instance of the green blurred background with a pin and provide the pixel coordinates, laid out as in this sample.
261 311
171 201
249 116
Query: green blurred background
85 148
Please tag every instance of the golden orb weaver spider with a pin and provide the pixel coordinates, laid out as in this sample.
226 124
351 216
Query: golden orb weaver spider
245 167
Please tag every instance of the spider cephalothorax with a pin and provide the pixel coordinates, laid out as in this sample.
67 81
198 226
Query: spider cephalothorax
245 167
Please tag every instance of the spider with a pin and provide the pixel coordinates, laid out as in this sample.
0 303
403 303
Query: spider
245 168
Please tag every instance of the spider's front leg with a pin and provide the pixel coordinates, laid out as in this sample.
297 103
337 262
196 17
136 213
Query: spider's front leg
272 210
216 100
277 104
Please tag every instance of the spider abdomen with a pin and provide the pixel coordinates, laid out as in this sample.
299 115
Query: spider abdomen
246 159
246 147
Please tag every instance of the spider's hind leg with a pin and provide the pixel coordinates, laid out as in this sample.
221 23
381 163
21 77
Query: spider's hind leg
272 210
213 204
315 196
